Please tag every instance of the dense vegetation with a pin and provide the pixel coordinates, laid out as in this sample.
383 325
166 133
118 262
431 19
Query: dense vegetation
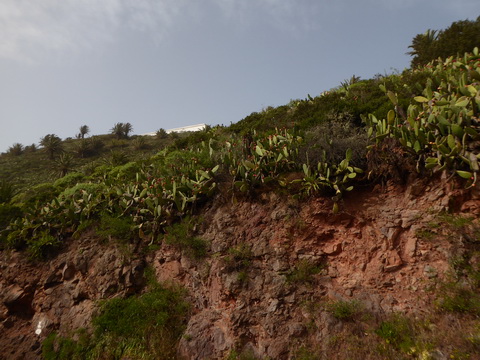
142 327
458 38
420 122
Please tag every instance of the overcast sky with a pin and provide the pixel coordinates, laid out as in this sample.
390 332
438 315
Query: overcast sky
169 63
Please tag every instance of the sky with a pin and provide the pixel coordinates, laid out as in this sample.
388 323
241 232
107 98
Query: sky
171 63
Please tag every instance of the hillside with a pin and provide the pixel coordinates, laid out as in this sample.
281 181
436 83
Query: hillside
340 224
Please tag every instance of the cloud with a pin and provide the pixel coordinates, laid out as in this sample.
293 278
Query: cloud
462 8
291 15
33 28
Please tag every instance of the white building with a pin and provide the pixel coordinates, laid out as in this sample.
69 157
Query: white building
197 127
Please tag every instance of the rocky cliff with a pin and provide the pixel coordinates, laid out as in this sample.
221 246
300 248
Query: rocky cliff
276 267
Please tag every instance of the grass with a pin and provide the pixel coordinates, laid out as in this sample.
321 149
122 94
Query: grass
120 228
344 310
182 235
239 258
397 337
239 355
397 332
146 326
458 298
304 272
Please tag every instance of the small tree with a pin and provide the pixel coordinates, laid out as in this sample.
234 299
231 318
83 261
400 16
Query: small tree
31 148
52 145
127 129
84 130
121 130
161 134
64 163
16 149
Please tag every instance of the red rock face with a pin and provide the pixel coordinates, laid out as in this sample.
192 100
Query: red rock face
369 252
61 294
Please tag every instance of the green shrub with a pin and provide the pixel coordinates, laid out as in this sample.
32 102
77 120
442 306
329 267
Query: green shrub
42 245
337 134
69 180
459 299
306 353
182 235
398 332
8 213
304 272
90 188
241 355
239 258
344 310
147 326
456 222
38 194
120 228
127 171
56 347
96 144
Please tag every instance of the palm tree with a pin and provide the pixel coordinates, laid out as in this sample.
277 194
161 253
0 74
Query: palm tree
65 163
6 192
31 148
140 143
52 145
423 48
116 158
162 134
83 148
117 130
121 130
16 149
127 128
84 130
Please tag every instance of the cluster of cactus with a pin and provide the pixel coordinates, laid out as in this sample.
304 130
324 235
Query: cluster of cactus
152 202
442 126
156 192
263 160
325 177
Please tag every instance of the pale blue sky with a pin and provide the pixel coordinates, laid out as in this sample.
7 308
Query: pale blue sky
170 63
